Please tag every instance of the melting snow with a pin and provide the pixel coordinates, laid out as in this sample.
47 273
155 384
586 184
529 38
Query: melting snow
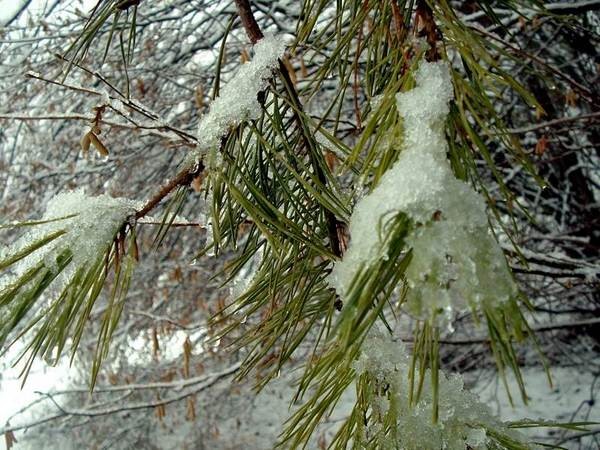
456 262
462 421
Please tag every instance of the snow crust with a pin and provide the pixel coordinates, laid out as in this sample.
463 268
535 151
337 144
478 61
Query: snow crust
463 421
238 98
456 263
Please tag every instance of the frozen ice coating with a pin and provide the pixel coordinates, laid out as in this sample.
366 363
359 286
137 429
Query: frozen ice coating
89 232
463 421
245 277
456 263
237 100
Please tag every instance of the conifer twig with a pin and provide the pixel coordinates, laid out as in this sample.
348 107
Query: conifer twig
425 26
255 34
183 178
249 22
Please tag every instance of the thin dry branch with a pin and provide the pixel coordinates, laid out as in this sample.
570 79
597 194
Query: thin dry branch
194 385
183 178
592 117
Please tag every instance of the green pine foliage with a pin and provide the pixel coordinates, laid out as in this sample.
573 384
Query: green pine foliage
284 187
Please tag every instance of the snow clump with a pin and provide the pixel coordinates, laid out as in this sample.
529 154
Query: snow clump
463 421
237 100
89 225
456 263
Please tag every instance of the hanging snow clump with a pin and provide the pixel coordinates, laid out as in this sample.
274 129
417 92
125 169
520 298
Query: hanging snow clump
456 263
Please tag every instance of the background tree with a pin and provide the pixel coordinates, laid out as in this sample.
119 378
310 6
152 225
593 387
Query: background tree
110 100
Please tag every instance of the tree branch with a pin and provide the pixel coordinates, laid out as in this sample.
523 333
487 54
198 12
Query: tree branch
22 7
539 329
574 7
592 117
249 23
196 385
255 34
183 178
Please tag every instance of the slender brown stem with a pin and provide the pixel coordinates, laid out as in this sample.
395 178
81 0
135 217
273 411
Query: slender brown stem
126 4
183 178
425 27
594 118
249 23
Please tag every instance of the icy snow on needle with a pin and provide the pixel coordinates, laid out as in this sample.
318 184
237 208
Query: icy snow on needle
88 233
463 421
238 98
456 263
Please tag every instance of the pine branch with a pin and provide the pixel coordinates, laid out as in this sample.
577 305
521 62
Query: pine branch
183 178
254 33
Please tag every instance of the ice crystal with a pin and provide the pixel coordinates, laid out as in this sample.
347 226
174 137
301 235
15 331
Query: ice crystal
463 422
246 276
456 263
238 98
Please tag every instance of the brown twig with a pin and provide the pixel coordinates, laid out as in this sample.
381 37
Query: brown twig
174 224
425 27
183 178
126 4
249 23
592 117
587 323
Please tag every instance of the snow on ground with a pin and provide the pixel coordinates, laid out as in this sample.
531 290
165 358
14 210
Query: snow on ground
571 398
254 423
13 397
